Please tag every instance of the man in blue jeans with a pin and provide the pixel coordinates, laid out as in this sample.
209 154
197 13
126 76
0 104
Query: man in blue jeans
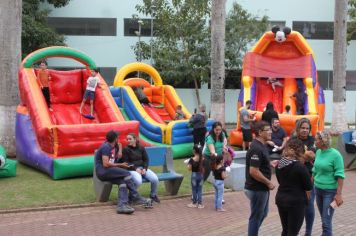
258 177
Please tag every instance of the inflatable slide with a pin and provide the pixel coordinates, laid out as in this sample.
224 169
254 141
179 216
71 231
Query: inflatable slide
59 140
291 61
157 124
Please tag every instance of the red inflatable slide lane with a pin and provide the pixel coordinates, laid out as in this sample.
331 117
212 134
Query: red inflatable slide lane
265 94
158 114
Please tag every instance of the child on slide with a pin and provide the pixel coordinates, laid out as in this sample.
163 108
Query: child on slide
274 82
92 83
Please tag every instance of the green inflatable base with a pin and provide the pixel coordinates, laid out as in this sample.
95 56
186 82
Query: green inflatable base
9 169
72 167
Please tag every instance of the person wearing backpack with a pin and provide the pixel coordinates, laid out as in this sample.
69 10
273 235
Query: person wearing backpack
198 121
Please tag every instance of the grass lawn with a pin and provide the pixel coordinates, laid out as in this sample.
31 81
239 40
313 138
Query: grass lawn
31 188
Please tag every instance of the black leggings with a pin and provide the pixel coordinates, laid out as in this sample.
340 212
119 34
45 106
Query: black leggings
291 219
45 91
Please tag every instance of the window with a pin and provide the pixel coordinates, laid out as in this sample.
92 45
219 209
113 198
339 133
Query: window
325 79
315 30
281 24
351 80
83 26
131 26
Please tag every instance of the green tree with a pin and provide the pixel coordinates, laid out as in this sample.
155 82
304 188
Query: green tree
35 31
351 24
182 43
242 29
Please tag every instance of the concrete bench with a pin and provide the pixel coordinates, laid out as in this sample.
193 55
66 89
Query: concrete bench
347 148
158 156
236 177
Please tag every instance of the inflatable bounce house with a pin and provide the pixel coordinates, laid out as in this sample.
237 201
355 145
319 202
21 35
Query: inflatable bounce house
286 57
59 140
7 166
157 124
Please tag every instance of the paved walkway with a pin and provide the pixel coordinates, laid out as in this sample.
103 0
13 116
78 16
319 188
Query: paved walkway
171 217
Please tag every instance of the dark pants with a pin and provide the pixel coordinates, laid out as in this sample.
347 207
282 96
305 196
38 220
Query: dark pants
45 91
123 179
310 214
291 219
259 210
145 101
199 136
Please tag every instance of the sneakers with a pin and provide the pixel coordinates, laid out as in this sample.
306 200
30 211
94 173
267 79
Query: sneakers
145 202
125 209
192 205
200 206
220 210
155 199
223 201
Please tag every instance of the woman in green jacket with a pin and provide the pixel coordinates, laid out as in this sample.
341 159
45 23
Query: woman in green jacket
329 174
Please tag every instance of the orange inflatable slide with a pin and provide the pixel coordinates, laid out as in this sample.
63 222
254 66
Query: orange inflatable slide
291 61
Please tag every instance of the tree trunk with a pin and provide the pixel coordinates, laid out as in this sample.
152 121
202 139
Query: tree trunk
10 57
197 91
218 16
339 121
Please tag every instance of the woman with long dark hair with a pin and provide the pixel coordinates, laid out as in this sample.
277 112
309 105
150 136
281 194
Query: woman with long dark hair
294 187
136 155
214 146
303 133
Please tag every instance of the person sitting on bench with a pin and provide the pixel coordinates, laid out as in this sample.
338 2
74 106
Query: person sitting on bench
107 169
278 139
136 155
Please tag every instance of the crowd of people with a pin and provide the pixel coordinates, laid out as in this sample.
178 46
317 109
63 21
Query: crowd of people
308 170
306 167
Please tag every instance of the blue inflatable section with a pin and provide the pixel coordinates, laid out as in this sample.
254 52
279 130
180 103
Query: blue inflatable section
181 132
123 100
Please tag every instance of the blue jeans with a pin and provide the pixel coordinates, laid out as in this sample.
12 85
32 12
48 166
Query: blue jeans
323 199
259 210
197 187
310 214
219 193
150 176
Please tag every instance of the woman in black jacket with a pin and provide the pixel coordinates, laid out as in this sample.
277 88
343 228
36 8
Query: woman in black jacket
136 156
294 187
